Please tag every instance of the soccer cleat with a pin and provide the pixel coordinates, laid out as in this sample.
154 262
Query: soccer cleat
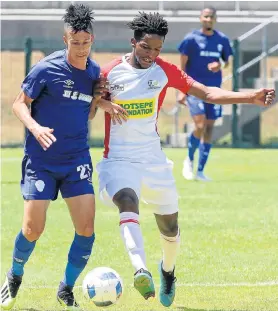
143 282
167 287
202 177
9 291
66 298
187 171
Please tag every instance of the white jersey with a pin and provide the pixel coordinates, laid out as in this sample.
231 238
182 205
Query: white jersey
141 92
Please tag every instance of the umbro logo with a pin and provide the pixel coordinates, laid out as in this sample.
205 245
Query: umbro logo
18 260
69 83
86 257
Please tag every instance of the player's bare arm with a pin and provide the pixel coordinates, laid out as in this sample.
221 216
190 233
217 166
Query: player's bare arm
183 62
100 89
261 97
21 109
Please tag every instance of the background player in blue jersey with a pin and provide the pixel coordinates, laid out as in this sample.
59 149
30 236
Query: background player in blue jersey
59 90
203 54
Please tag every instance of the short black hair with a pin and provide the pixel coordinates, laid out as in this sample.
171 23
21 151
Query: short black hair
79 17
148 23
211 8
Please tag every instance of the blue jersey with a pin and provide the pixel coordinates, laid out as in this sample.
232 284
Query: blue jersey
62 96
202 50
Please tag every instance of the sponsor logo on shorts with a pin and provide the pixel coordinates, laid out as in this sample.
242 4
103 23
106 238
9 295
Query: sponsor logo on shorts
138 108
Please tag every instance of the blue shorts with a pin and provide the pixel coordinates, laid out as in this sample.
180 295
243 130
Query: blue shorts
42 180
197 106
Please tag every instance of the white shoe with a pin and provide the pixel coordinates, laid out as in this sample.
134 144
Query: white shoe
187 171
201 177
9 291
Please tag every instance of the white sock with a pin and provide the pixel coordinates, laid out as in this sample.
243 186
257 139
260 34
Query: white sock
133 239
170 246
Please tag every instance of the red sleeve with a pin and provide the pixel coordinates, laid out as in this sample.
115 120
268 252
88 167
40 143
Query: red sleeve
107 68
177 78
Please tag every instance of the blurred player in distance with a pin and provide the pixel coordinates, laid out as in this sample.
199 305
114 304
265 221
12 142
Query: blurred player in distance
204 52
134 167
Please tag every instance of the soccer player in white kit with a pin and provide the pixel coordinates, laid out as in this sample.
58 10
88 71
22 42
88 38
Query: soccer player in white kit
134 166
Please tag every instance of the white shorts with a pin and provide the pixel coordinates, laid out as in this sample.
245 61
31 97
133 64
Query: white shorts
153 183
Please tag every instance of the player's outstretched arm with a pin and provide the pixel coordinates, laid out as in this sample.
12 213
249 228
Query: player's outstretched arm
21 109
214 95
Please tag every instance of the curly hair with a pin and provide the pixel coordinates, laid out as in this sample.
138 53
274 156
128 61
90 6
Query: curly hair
79 17
148 23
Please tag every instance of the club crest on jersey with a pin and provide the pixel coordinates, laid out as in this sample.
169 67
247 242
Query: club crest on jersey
153 84
219 47
117 87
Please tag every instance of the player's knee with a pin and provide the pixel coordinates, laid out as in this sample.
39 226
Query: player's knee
168 225
170 229
32 233
86 231
126 200
208 130
200 128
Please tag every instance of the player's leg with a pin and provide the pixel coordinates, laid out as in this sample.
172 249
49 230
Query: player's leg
32 228
127 200
120 186
170 240
37 188
78 192
159 189
196 108
212 113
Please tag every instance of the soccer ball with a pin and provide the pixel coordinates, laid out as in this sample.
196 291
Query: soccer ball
103 286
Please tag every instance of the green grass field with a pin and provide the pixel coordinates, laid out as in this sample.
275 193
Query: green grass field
229 253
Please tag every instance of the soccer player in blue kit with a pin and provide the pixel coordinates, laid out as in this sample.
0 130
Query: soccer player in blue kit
204 53
63 90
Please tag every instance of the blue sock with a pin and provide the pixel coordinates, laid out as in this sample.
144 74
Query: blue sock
204 150
193 144
22 251
78 257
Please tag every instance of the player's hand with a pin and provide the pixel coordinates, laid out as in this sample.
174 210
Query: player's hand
101 87
181 98
214 66
117 113
44 136
263 97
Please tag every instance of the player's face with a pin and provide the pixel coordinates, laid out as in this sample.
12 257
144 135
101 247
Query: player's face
147 49
78 44
208 19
